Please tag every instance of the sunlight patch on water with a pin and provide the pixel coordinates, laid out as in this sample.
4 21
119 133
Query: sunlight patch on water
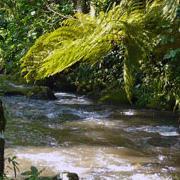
90 115
129 112
162 130
63 94
149 177
54 160
86 161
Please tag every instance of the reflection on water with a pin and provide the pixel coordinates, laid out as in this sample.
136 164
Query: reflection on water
96 141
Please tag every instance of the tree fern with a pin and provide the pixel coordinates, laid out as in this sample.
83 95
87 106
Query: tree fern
133 25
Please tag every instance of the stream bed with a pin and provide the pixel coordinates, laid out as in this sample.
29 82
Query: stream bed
98 142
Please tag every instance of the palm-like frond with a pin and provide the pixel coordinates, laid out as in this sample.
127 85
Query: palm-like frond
132 24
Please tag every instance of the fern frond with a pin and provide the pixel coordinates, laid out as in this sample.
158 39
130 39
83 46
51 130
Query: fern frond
132 24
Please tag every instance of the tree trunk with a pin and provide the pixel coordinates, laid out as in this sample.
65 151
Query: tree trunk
2 141
82 5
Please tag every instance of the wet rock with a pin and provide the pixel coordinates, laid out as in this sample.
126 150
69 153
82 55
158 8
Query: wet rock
10 88
66 176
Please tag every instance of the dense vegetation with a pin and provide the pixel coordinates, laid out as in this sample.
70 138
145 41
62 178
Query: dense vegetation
117 51
106 49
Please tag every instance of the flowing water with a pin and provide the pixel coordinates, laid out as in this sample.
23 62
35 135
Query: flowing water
95 141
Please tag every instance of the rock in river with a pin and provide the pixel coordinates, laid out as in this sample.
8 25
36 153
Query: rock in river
9 88
66 176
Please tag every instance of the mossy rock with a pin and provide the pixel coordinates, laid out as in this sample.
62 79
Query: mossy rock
8 87
117 96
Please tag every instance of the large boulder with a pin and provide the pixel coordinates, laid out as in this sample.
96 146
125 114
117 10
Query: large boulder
9 87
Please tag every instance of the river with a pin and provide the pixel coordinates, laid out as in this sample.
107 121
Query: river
98 142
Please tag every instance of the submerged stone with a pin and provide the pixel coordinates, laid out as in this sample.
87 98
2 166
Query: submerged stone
162 141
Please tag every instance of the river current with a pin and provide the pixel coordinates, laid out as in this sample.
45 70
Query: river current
98 142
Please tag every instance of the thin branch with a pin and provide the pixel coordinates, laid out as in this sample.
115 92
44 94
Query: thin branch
59 14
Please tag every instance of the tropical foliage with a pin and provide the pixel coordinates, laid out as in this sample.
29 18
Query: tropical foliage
133 25
160 84
113 50
22 22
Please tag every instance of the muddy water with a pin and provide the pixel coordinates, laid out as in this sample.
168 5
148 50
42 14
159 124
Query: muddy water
75 134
